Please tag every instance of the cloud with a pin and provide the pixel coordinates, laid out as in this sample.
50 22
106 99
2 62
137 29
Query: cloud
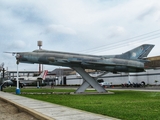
17 44
116 31
145 13
74 25
60 29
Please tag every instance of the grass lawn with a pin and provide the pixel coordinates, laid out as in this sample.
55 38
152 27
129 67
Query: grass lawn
126 105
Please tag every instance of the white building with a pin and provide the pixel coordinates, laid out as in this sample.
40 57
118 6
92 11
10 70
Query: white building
149 77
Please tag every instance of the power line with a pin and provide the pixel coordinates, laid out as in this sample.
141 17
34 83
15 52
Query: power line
119 45
140 38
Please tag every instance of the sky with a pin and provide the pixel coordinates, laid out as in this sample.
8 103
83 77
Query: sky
98 27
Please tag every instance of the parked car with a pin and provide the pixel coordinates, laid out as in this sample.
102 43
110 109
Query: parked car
105 84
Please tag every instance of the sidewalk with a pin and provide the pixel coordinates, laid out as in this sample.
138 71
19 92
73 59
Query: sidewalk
48 111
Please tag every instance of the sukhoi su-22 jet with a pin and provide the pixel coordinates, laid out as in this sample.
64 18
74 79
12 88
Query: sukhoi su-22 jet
130 61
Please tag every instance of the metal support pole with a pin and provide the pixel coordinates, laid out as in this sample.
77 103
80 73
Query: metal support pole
37 84
17 90
129 79
39 73
39 43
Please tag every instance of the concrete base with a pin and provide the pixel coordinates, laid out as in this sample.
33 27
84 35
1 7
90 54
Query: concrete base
92 93
18 91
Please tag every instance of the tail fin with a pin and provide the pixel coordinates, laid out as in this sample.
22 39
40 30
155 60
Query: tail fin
43 74
138 52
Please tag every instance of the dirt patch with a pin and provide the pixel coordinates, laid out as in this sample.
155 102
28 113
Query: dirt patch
10 112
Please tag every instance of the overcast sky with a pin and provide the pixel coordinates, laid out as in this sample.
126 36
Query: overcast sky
97 27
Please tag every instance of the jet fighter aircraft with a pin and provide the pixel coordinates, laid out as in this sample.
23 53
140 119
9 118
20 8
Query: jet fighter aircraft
130 61
25 80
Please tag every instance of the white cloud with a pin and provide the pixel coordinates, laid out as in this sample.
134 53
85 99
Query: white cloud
18 44
116 31
74 25
60 29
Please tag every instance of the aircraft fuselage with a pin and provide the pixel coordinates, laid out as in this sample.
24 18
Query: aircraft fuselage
110 63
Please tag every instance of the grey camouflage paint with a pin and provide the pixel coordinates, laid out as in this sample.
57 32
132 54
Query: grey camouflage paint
131 61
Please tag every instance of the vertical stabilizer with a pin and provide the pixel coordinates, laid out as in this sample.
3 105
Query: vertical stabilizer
43 74
138 52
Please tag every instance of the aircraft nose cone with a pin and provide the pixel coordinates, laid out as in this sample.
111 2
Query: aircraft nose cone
18 56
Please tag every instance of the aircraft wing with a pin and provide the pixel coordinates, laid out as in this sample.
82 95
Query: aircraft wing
106 62
100 63
74 60
91 62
